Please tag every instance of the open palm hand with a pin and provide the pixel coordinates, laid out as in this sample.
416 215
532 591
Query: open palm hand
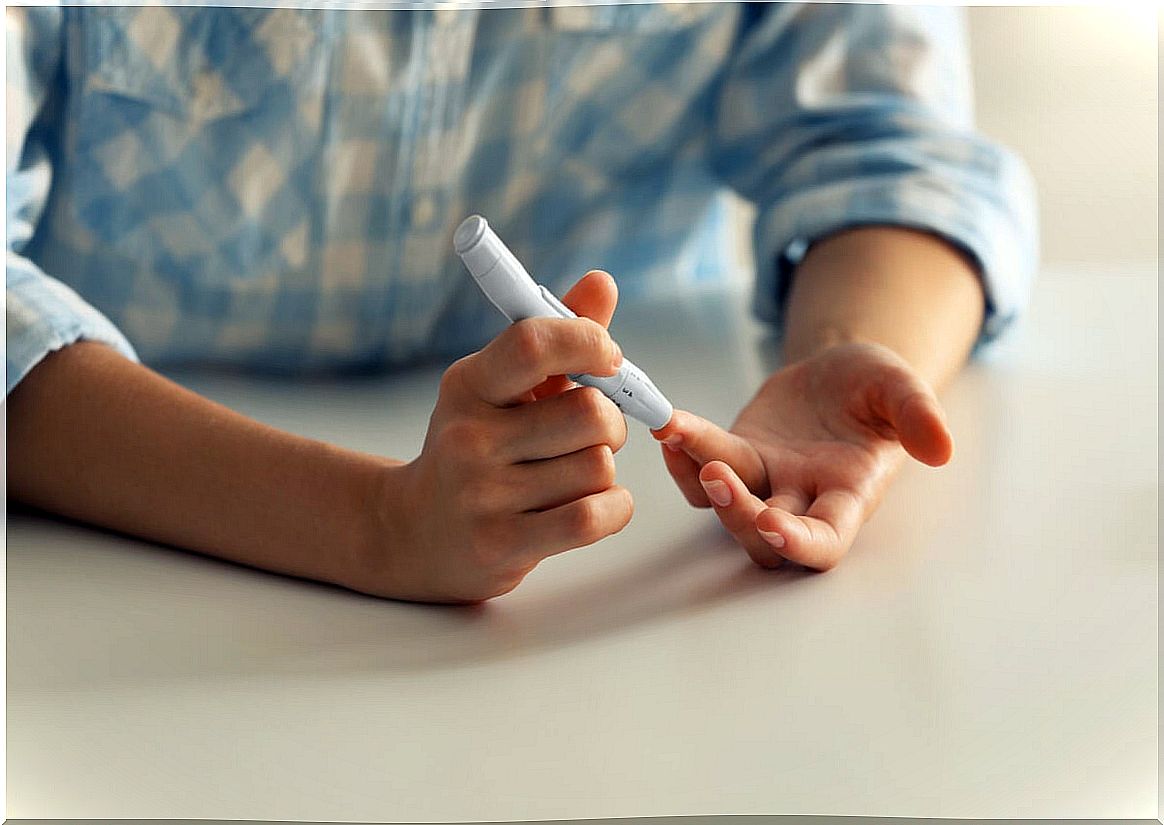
808 460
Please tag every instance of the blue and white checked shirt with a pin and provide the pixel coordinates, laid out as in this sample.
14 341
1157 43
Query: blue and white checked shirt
277 188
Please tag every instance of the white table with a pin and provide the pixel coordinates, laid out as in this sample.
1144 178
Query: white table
989 647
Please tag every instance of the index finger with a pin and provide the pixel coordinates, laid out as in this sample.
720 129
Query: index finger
705 441
595 297
530 351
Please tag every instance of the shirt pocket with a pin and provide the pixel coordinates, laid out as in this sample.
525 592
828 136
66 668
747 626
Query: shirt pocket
197 63
188 132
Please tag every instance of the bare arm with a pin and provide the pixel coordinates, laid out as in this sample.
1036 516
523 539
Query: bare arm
906 290
500 484
878 318
98 438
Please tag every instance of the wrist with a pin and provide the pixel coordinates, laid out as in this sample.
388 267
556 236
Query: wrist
808 343
380 517
906 290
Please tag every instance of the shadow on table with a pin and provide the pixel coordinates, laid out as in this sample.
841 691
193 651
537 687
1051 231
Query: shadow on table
145 614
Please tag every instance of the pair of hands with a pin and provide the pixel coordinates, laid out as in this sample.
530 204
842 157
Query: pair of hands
518 464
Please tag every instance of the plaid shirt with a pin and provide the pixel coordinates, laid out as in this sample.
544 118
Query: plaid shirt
277 188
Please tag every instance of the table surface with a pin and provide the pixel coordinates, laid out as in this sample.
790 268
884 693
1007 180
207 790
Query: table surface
988 648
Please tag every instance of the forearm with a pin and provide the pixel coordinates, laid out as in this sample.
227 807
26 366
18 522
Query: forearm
98 438
904 289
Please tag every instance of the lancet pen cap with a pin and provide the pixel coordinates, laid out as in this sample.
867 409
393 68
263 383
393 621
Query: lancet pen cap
478 246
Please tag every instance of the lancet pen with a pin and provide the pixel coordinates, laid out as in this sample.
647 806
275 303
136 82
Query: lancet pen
510 288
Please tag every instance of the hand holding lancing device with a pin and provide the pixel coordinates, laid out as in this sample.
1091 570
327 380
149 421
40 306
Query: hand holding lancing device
517 464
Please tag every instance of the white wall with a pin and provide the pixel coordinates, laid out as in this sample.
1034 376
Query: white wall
1074 90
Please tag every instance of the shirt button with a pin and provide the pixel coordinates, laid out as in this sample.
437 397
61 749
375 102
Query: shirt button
423 211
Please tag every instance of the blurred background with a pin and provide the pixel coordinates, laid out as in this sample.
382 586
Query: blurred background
1074 90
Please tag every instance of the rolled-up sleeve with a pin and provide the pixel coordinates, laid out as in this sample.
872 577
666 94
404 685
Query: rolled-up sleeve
41 313
839 115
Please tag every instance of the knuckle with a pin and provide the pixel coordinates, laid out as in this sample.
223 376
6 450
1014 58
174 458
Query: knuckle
477 497
586 520
626 512
615 427
453 378
601 466
591 404
466 438
486 548
528 342
594 337
593 521
444 439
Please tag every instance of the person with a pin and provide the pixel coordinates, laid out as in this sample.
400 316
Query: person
276 189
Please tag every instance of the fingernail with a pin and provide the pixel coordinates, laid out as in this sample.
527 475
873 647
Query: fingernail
774 539
673 441
617 355
719 493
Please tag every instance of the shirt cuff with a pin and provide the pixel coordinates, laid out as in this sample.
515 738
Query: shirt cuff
995 228
42 315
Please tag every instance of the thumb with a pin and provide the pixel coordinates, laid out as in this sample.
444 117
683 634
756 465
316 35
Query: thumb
705 441
910 407
594 296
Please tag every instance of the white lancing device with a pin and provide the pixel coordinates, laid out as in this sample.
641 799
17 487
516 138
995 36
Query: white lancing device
510 288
